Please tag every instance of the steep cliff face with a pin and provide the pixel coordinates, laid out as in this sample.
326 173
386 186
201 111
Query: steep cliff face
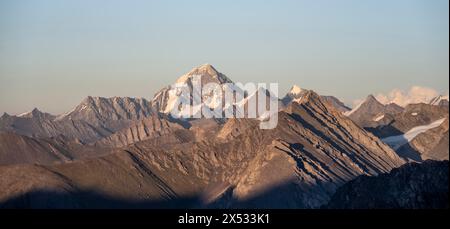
413 185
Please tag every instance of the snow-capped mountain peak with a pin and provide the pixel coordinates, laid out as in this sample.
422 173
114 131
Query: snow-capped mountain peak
165 100
208 74
295 90
295 94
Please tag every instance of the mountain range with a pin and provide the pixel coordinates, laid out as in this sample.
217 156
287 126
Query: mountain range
132 153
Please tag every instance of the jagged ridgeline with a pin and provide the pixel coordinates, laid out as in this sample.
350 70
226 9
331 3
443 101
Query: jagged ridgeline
129 152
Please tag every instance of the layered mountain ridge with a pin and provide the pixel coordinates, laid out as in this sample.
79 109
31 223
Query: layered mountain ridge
313 150
131 153
94 118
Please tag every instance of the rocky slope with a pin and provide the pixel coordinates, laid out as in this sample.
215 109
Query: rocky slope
93 119
313 150
369 112
412 116
339 105
41 125
296 93
19 149
418 133
147 128
109 113
431 144
412 186
299 164
119 179
130 153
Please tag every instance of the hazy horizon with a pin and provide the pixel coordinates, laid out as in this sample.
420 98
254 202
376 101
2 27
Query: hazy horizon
55 53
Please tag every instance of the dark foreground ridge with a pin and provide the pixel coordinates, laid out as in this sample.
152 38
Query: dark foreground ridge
412 186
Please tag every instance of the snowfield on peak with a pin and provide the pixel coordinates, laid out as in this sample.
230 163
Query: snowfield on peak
295 90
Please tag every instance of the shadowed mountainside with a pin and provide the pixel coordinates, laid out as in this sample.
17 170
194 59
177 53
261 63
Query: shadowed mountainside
412 185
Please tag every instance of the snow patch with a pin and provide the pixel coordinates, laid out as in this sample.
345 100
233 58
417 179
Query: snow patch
348 113
399 140
157 96
378 118
83 107
414 114
183 79
297 100
60 117
174 96
295 90
23 114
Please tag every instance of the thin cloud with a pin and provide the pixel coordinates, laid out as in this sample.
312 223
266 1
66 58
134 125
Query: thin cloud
416 94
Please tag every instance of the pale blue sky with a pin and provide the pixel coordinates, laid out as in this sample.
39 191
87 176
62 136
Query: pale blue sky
54 53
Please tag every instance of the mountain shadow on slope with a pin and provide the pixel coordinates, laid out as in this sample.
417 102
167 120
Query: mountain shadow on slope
408 153
273 198
45 199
